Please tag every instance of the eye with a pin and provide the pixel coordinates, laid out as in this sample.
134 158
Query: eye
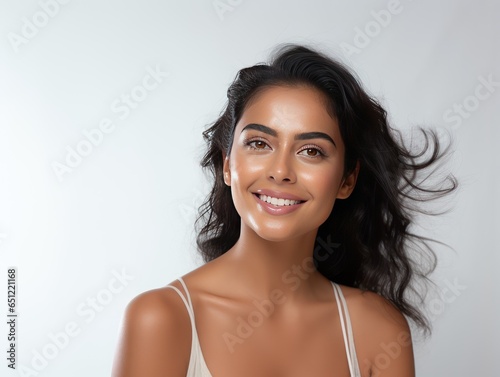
313 152
256 144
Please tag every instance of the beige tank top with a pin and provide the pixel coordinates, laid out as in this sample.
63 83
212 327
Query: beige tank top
198 367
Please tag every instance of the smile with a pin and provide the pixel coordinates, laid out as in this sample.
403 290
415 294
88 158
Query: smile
282 206
278 201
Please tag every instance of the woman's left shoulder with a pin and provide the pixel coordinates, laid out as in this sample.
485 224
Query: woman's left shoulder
381 332
373 308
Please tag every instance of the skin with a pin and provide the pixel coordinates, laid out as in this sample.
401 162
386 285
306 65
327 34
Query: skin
299 333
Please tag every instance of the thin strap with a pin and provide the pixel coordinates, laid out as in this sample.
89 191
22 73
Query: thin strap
188 304
197 365
181 295
350 334
187 293
347 348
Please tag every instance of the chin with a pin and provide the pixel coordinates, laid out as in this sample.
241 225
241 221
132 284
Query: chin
278 235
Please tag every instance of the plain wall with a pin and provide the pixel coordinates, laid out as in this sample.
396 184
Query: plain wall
126 207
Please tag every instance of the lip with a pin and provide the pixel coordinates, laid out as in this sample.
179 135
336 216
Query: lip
276 210
278 194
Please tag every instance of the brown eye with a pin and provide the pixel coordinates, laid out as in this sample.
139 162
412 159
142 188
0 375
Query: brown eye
256 144
312 152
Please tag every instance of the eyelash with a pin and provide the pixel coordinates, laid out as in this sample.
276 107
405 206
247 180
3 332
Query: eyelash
322 154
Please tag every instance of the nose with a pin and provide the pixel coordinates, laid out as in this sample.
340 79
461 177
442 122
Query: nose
281 168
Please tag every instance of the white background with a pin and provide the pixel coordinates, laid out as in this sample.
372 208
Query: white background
129 205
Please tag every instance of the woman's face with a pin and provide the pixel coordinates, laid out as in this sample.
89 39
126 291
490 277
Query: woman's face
287 150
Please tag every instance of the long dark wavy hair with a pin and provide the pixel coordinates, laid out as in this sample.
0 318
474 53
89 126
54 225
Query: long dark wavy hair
375 249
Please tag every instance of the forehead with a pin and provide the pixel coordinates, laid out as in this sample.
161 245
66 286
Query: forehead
290 108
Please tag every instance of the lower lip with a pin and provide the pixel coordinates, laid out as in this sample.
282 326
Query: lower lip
277 210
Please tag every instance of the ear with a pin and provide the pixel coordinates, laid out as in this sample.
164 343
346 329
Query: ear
225 170
348 183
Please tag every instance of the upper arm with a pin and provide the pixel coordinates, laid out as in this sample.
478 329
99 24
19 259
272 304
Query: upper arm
392 354
154 339
388 345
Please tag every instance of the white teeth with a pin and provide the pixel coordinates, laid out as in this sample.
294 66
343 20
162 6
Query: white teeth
278 201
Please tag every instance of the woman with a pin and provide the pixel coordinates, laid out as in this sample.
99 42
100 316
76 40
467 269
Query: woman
306 232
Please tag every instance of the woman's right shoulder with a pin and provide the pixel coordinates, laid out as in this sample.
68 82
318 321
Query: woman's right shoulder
155 335
159 305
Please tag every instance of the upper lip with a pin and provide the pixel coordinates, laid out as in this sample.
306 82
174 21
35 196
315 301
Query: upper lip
278 194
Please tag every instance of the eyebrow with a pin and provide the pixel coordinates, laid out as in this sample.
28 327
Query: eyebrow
302 136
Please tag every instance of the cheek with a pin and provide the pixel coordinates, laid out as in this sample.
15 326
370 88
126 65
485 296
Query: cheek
245 168
243 172
322 185
322 181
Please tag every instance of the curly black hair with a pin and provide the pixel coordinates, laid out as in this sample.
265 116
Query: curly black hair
374 248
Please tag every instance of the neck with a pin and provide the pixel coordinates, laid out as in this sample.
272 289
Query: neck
261 266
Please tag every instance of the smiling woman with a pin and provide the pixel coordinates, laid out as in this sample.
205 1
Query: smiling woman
306 234
284 148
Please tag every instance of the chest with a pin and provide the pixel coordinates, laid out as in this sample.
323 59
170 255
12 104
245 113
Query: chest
253 341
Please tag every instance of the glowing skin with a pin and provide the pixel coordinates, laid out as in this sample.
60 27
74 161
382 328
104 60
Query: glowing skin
282 163
270 265
287 142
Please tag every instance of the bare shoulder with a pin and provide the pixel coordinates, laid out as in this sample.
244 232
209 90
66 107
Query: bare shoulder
382 334
157 307
375 309
155 336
